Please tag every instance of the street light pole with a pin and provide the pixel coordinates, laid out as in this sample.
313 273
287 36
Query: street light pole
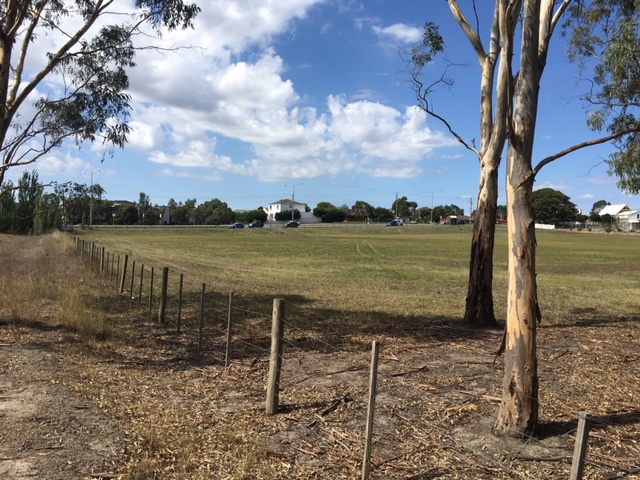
293 198
438 191
91 199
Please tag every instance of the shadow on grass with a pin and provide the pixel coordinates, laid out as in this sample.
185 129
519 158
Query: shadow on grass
593 318
309 327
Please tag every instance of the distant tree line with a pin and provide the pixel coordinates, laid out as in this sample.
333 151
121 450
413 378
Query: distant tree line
28 208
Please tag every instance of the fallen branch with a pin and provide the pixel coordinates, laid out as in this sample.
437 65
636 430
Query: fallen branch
406 372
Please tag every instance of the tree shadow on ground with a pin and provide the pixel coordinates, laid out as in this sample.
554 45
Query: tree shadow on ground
597 422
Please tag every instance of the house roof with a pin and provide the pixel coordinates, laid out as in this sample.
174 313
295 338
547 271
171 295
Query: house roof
613 210
287 202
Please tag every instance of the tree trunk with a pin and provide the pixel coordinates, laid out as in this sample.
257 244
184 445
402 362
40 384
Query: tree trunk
479 307
518 414
519 408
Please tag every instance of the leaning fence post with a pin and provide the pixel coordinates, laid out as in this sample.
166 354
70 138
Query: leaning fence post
373 382
275 360
163 296
227 354
140 289
180 302
124 272
580 449
133 277
151 292
201 318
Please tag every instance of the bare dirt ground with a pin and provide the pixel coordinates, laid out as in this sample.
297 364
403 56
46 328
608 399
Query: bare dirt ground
145 405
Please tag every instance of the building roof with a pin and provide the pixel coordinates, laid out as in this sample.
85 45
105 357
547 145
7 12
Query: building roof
286 201
613 210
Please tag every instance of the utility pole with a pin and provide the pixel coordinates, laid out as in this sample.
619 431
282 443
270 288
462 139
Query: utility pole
431 221
293 198
91 200
396 207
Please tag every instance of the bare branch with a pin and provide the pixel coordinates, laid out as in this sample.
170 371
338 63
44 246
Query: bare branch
468 30
580 146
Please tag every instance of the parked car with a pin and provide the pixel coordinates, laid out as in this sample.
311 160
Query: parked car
256 224
291 224
236 225
394 223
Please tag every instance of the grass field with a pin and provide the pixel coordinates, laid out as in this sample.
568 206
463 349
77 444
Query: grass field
409 273
162 408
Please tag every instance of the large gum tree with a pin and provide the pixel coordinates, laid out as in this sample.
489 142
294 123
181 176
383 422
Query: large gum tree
87 65
533 23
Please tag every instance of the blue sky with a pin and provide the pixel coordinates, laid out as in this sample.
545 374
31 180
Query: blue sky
314 95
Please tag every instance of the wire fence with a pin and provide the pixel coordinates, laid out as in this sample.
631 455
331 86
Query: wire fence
415 422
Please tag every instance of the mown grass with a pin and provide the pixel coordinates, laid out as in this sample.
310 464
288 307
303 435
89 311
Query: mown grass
409 273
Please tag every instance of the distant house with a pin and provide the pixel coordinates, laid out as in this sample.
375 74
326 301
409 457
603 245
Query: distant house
614 210
623 217
289 206
164 215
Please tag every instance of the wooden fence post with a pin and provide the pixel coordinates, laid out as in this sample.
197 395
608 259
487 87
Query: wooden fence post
275 360
180 302
201 318
580 449
163 296
133 277
118 268
102 260
373 383
151 292
227 355
140 289
124 272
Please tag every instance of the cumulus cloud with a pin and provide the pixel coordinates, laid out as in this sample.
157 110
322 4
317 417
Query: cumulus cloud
222 104
399 32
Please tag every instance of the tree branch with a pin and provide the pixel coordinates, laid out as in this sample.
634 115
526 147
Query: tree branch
468 30
580 146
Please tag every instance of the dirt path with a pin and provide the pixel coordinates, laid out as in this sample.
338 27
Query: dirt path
48 431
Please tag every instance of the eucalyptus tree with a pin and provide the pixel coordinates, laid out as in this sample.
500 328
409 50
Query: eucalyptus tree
533 23
494 59
86 62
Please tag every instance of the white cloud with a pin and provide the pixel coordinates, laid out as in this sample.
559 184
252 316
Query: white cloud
399 32
63 166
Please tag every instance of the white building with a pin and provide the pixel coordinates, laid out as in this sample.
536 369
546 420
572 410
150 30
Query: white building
624 218
289 206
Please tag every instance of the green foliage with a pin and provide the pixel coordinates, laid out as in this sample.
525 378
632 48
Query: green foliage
441 212
7 206
598 206
251 215
606 32
94 103
429 47
403 208
48 214
286 215
551 206
127 215
214 212
329 213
